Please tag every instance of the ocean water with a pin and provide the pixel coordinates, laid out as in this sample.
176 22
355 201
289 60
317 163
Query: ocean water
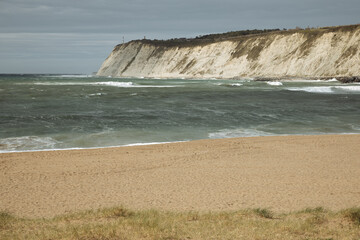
81 111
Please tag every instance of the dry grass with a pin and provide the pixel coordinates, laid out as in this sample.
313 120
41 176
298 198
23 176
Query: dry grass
121 223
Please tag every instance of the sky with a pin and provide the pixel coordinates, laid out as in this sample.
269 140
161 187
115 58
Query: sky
76 36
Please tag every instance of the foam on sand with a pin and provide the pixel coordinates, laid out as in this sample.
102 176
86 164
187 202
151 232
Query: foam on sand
149 143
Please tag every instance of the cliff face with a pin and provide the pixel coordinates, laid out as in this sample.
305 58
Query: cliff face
326 52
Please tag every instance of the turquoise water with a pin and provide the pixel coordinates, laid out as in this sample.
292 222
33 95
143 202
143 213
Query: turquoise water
79 111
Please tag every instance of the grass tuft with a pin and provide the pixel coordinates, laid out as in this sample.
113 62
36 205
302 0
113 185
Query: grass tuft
316 219
5 216
263 212
313 210
353 214
5 219
117 212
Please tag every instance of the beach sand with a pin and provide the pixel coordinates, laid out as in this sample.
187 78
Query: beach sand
283 173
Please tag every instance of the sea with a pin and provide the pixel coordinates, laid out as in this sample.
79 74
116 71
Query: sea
52 112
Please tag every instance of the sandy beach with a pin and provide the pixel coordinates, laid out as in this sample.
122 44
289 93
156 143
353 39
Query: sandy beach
283 173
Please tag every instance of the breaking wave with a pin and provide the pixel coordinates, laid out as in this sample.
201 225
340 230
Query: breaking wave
229 84
309 80
71 76
109 83
349 88
326 89
275 83
240 132
27 143
114 84
236 84
312 89
331 80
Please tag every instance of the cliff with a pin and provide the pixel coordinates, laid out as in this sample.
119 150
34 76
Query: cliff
308 53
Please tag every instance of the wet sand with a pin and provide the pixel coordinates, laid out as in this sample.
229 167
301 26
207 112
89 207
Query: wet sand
285 173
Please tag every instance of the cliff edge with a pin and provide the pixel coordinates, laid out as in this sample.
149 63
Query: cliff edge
305 53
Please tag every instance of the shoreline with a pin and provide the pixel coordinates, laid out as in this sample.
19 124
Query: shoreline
89 148
160 143
340 79
282 173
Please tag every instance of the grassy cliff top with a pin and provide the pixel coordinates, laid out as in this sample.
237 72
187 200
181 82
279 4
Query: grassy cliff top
243 34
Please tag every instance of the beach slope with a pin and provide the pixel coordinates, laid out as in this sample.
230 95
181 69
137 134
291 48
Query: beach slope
282 173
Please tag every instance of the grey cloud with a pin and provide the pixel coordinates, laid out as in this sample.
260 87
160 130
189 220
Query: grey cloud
89 29
139 15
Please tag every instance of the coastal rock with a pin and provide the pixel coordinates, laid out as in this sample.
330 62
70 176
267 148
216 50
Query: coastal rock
349 79
331 52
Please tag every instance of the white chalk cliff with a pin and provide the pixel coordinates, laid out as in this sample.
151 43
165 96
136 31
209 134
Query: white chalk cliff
325 52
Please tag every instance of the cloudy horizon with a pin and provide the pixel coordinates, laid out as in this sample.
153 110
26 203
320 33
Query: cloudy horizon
42 36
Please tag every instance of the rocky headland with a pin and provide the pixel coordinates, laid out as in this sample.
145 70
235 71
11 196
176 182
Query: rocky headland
321 53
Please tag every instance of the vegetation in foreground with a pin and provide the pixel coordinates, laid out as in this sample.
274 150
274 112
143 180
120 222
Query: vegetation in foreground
121 223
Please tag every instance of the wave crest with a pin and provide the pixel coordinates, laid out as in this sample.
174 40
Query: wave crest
326 89
312 89
274 83
109 84
26 143
240 132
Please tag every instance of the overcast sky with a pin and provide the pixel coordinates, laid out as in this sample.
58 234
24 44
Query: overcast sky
75 36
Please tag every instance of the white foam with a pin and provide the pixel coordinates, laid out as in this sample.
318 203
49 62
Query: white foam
240 132
312 89
304 81
71 76
53 83
114 84
97 94
130 84
274 83
332 80
310 80
229 84
326 89
26 142
149 143
79 148
109 83
349 88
